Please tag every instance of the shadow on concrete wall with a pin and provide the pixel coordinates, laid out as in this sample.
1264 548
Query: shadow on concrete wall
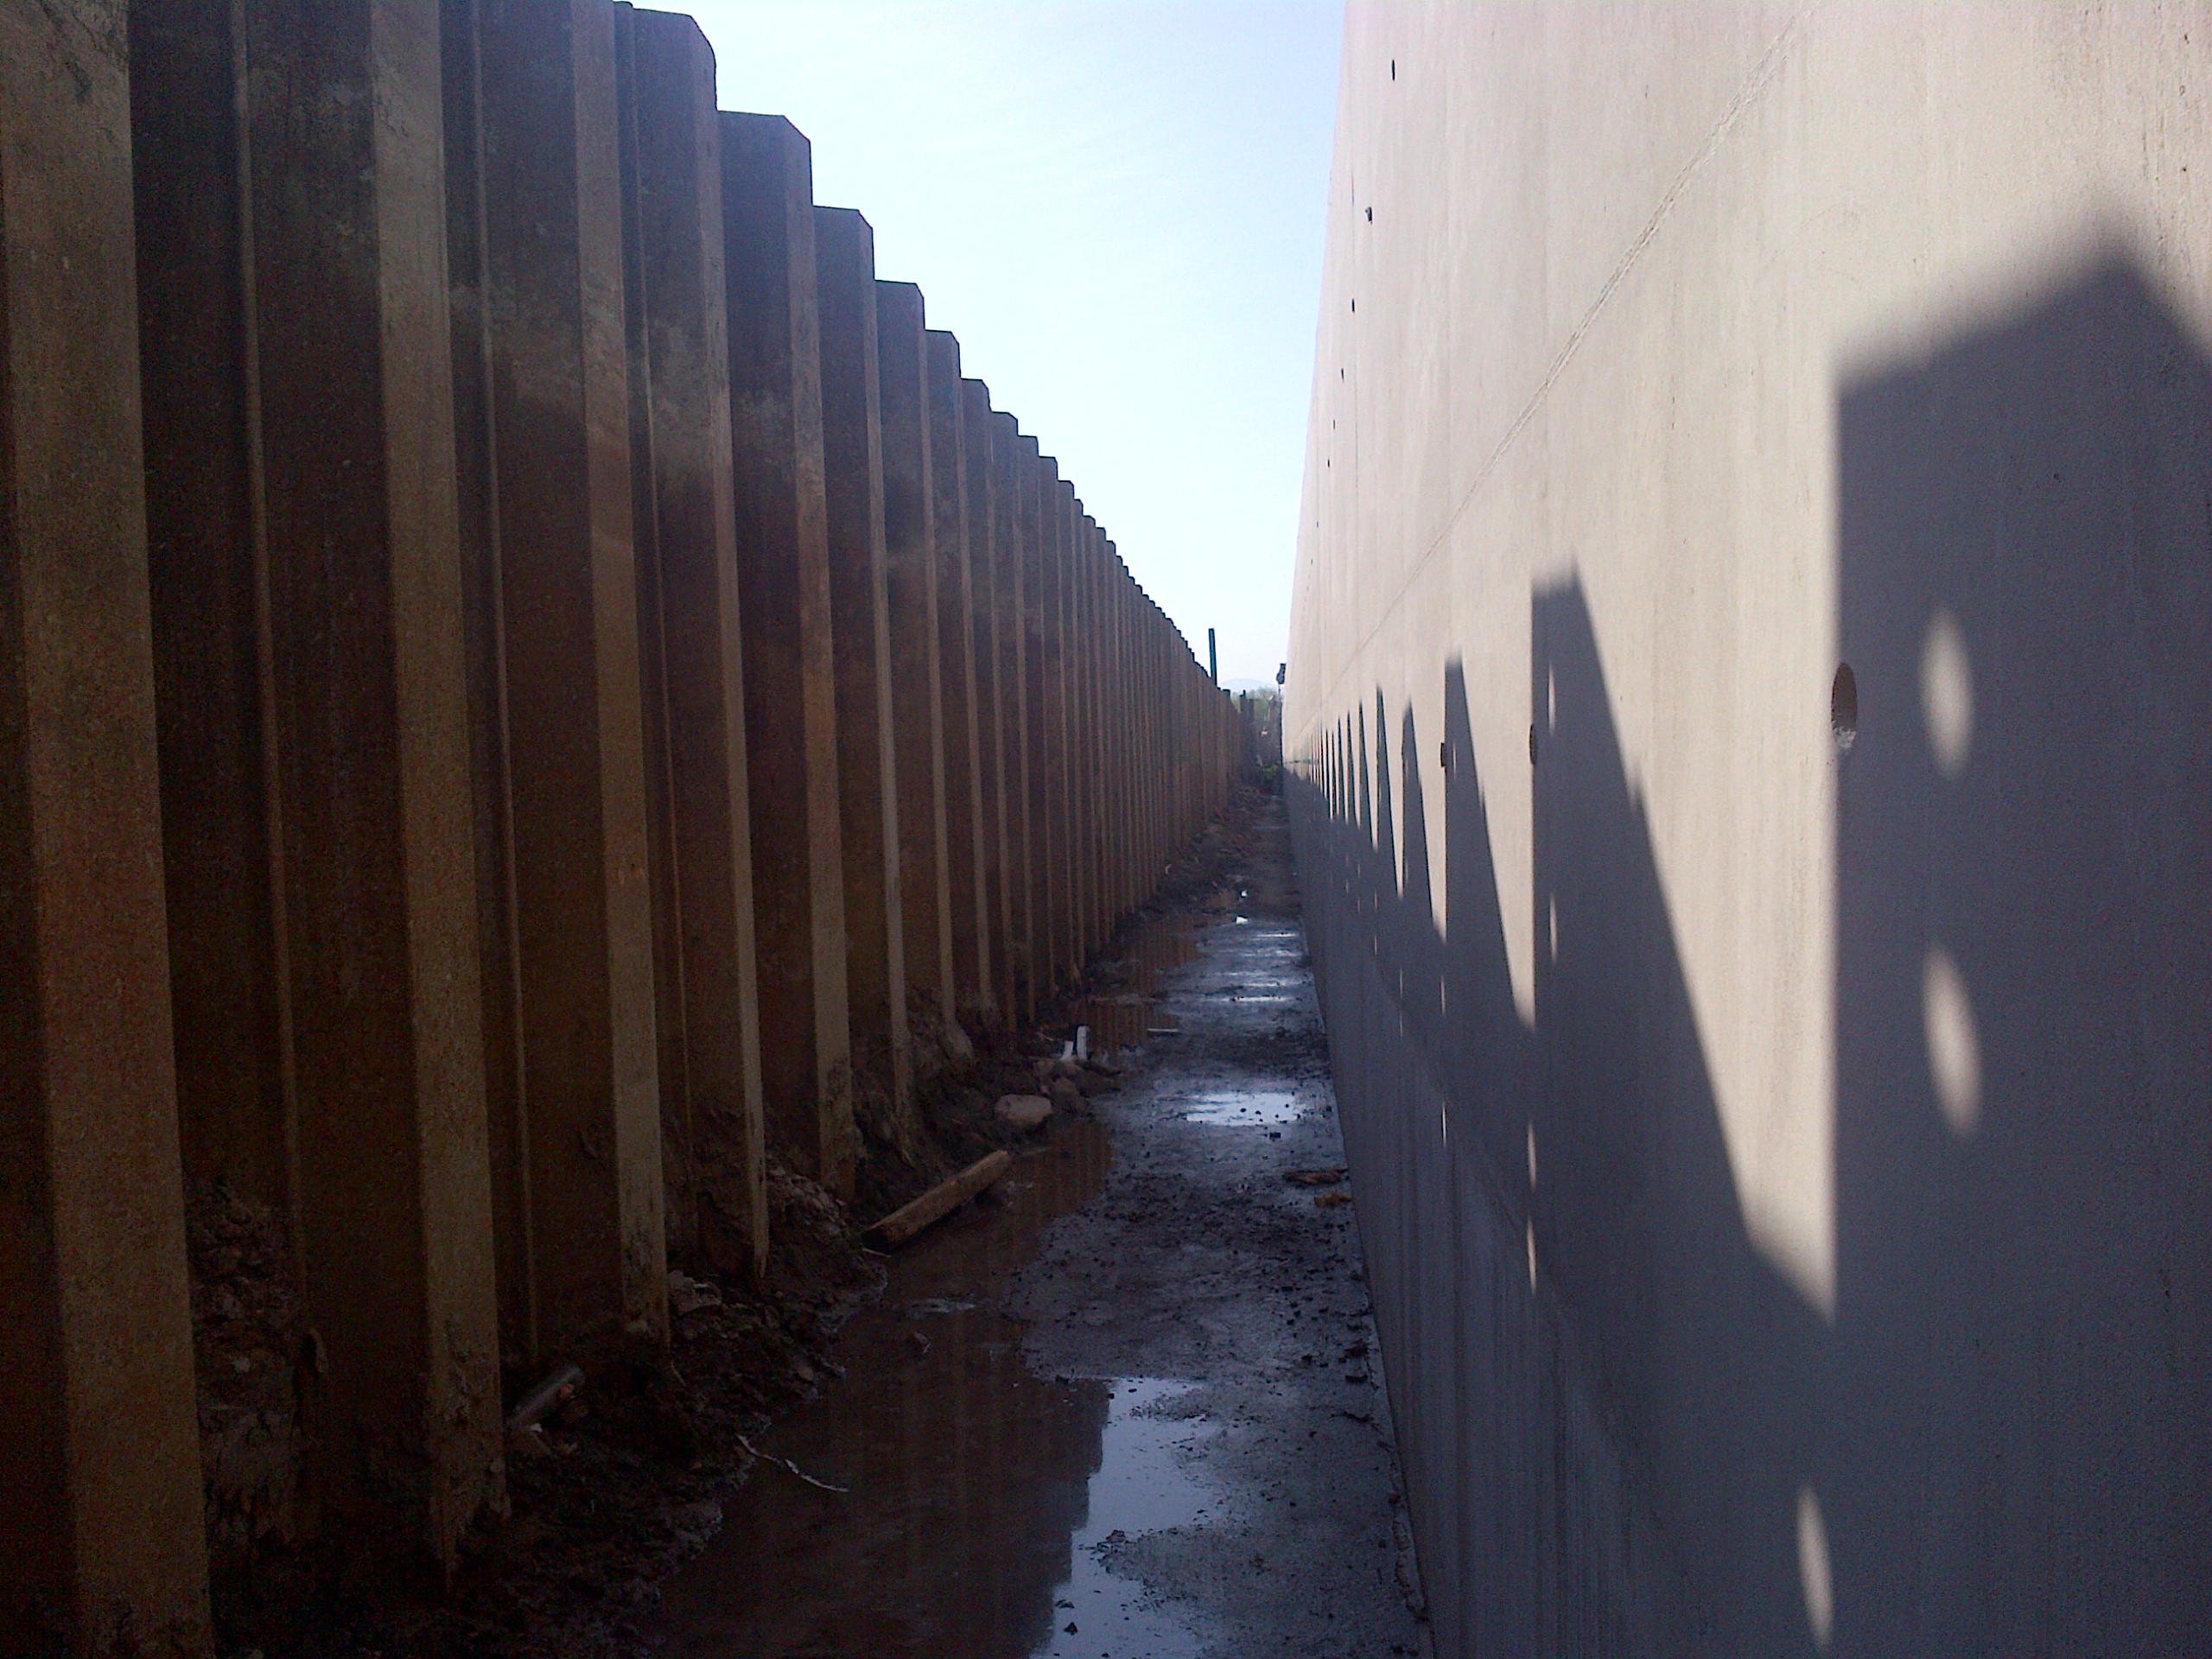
1624 1432
2024 996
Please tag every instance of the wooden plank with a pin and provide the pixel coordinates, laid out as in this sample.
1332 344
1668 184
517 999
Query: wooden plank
940 1200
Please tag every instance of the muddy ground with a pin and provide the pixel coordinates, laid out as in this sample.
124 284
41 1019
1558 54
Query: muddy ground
1124 1404
1133 1410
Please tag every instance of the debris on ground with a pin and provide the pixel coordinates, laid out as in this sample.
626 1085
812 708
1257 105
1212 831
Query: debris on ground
613 1475
246 1343
940 1200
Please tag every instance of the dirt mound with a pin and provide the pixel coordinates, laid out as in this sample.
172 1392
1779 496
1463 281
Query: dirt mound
246 1344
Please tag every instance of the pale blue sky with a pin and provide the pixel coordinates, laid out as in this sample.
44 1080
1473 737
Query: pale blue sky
1118 206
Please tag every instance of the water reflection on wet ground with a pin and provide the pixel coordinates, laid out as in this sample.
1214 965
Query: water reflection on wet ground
1144 1484
1131 1412
1244 1108
968 1473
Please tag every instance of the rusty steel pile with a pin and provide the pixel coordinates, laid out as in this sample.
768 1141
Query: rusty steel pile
530 682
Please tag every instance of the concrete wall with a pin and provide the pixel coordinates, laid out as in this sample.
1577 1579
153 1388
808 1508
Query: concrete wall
310 625
1745 705
465 591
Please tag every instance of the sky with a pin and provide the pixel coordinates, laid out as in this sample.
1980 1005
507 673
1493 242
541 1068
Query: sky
1118 205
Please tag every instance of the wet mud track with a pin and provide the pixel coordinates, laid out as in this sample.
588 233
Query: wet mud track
1127 1408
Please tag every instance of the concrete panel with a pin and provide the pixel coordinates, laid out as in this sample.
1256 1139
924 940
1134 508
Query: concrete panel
1017 698
100 1538
1083 560
1128 661
322 626
1083 717
218 830
706 999
994 706
917 691
1115 681
1801 1070
1076 721
1169 697
967 886
1142 734
1140 739
1166 698
852 449
1161 680
1069 518
1053 503
577 1152
1106 689
1134 879
1040 661
791 718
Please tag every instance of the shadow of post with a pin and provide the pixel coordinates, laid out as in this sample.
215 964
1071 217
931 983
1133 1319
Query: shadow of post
1596 1380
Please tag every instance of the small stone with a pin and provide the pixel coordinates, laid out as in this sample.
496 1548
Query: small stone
688 1295
695 1523
1028 1113
1066 1096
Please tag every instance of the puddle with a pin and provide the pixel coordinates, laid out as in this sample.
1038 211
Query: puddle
1130 1011
1245 1108
924 1307
970 1477
985 1502
1141 1485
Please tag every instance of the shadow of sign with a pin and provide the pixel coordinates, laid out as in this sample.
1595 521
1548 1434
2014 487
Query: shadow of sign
1624 1430
2023 996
